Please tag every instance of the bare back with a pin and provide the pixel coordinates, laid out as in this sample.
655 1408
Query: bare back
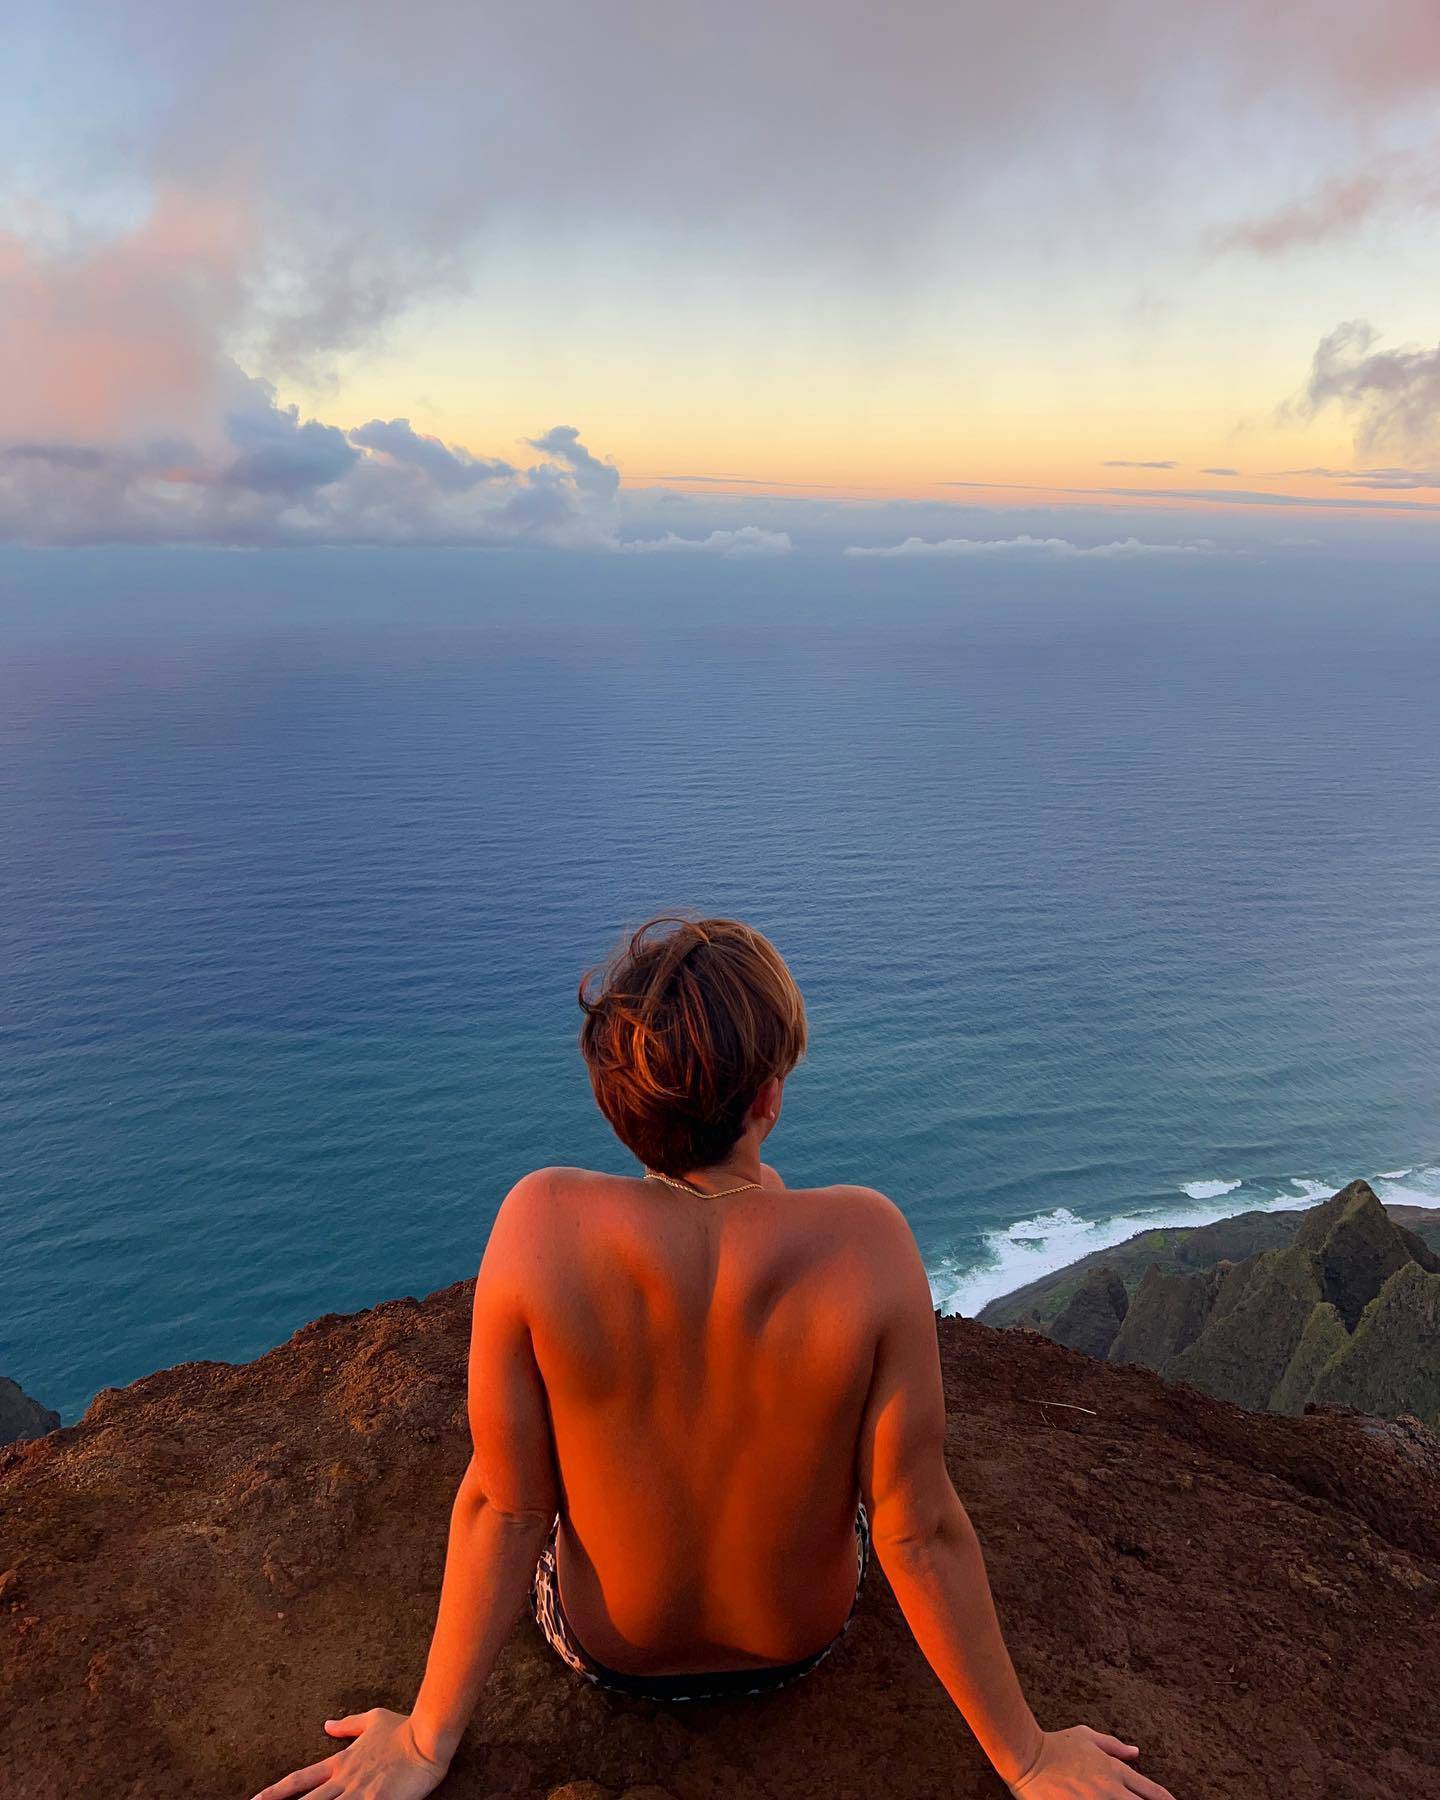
706 1364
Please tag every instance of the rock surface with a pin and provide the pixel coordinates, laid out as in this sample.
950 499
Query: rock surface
1349 1311
22 1418
1167 1315
219 1557
1094 1314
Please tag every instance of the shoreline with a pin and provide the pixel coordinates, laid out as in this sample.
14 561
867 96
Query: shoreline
1045 1245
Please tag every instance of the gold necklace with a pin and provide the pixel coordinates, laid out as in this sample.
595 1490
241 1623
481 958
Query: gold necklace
699 1193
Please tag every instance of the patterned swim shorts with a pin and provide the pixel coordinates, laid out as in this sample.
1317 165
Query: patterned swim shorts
724 1684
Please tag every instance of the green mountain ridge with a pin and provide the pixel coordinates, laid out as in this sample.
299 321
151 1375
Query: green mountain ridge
1342 1306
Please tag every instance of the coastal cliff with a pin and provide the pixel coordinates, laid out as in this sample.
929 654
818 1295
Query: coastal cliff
220 1556
1342 1305
1175 1249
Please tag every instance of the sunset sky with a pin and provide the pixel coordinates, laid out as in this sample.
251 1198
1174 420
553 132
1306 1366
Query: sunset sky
1117 259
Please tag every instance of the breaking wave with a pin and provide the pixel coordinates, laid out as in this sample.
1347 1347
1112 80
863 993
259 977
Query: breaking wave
1208 1190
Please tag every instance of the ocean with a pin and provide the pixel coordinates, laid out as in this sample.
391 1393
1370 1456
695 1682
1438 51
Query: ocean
1114 891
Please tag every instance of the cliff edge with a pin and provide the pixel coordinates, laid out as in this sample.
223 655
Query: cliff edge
219 1556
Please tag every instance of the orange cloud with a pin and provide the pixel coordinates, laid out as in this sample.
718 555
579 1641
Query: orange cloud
121 339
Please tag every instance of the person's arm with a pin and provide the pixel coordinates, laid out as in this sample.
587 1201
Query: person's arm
507 1499
931 1556
501 1517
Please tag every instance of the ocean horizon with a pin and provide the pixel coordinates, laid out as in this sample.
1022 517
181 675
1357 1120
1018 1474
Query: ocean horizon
1115 899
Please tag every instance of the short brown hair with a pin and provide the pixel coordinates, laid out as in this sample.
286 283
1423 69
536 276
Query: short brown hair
689 1019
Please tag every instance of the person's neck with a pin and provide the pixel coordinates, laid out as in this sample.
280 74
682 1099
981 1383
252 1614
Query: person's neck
742 1164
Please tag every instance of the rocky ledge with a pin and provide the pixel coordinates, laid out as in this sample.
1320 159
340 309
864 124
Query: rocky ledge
218 1557
22 1418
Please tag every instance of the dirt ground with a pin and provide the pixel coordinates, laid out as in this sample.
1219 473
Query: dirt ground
219 1557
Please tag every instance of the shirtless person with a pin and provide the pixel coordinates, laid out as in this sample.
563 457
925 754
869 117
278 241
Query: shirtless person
696 1397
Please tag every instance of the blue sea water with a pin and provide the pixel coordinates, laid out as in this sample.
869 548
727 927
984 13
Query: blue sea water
1114 892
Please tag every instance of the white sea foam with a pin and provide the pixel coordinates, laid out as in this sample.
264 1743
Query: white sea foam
1307 1192
1033 1247
1410 1187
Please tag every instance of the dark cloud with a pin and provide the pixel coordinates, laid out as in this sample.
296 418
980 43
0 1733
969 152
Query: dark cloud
591 474
1121 463
452 469
278 454
271 477
1249 497
1393 396
1219 471
1394 478
90 466
1231 496
264 475
1373 478
62 456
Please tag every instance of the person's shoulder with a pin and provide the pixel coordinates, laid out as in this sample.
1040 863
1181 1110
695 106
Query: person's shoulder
891 1254
864 1228
862 1199
558 1191
543 1189
536 1212
867 1209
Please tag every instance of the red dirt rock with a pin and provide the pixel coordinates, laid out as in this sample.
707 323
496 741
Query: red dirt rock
217 1558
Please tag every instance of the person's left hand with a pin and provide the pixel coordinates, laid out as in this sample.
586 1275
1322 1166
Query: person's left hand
383 1763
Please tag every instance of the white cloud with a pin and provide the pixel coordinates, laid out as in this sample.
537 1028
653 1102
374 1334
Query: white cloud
1030 549
746 540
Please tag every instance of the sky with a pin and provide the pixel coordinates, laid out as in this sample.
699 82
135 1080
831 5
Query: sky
1040 281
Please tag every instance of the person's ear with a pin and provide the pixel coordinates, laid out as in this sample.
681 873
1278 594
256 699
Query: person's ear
767 1100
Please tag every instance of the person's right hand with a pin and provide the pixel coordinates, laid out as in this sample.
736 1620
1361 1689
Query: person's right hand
1081 1764
383 1762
